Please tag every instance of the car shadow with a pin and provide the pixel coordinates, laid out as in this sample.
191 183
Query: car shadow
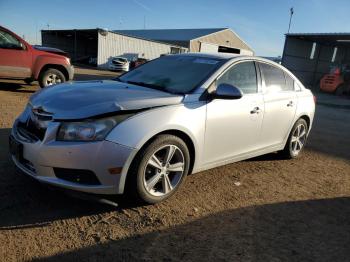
17 86
275 156
25 203
310 230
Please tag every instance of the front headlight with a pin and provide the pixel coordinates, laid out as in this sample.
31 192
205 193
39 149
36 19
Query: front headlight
89 130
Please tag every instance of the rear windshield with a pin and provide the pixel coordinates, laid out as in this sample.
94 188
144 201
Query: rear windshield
173 74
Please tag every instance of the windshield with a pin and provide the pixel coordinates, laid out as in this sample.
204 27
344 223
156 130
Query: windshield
173 74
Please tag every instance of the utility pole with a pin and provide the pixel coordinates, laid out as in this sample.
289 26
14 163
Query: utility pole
290 18
36 32
48 26
144 22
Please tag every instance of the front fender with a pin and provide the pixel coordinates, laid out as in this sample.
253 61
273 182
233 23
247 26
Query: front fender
137 130
47 59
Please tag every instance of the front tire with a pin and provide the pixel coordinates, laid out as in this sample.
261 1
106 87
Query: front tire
296 140
159 169
50 77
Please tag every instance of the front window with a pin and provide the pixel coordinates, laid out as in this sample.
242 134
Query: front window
8 41
173 74
242 76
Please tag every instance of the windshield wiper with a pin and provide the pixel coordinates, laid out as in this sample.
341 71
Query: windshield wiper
152 86
146 85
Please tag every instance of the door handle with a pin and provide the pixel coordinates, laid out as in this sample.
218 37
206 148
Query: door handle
290 103
256 110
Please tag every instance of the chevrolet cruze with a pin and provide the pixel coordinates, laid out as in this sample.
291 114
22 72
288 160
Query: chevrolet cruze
143 132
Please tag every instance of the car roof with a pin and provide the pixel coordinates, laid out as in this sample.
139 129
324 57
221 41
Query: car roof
227 56
223 56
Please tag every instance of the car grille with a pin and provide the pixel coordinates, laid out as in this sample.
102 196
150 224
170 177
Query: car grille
27 164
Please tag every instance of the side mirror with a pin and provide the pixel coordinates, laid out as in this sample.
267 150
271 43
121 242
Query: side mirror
20 46
227 91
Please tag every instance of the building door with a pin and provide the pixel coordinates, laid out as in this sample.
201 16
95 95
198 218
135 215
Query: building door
208 48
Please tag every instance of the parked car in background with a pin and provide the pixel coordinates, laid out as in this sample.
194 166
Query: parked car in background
118 64
142 133
20 60
137 62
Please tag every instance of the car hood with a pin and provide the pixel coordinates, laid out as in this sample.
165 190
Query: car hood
50 50
84 99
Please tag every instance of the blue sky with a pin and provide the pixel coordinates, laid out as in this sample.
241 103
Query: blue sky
261 23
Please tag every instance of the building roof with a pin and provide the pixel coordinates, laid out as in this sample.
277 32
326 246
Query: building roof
179 35
324 38
94 30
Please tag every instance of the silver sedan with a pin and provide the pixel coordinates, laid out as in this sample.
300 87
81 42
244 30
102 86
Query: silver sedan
143 132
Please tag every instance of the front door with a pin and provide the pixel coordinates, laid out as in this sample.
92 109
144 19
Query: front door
233 126
15 58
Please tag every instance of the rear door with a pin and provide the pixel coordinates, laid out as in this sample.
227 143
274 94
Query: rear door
15 58
280 104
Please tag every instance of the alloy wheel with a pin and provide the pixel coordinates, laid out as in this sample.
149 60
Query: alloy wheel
298 139
164 170
52 79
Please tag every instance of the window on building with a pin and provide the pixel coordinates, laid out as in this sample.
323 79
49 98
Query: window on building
334 54
313 50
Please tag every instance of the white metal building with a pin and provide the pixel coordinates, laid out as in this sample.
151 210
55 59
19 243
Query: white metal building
197 40
99 46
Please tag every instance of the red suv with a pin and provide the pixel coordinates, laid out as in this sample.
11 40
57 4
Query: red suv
20 60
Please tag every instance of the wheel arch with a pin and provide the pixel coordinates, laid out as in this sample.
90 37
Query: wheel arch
59 67
181 134
124 182
306 118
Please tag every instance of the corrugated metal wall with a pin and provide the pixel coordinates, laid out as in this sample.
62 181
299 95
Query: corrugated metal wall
113 45
296 57
221 38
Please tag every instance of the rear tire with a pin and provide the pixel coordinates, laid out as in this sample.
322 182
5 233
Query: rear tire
50 77
158 170
296 140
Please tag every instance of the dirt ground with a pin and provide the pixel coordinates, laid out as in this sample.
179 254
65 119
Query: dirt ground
295 210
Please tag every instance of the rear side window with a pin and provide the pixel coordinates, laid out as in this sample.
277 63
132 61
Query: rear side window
242 76
289 83
274 78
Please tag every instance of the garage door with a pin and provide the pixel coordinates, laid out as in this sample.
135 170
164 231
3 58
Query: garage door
209 48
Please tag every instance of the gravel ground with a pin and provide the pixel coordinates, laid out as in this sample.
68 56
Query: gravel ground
264 209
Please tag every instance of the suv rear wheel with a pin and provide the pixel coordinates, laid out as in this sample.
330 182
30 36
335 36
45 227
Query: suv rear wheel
50 77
